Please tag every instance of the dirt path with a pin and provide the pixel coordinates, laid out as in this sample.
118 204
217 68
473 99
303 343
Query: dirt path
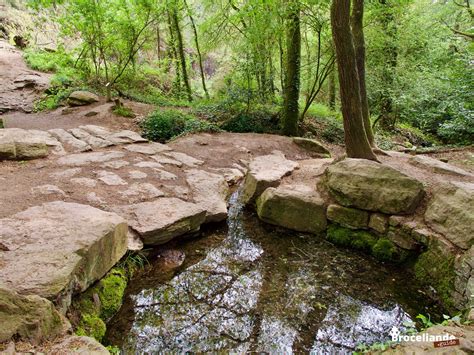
19 85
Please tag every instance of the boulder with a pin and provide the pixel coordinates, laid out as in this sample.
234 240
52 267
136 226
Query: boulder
437 166
210 192
58 248
372 186
20 144
295 208
451 213
159 221
312 145
93 141
81 97
265 171
30 318
348 217
68 139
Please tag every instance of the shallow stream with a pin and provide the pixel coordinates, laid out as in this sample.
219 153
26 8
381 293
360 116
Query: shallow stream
249 286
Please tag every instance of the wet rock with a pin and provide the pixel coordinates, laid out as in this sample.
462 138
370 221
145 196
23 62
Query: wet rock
110 178
68 139
451 213
372 186
80 98
348 217
378 222
58 248
81 159
311 145
148 149
47 190
184 158
30 318
80 345
265 171
210 192
437 166
297 208
159 221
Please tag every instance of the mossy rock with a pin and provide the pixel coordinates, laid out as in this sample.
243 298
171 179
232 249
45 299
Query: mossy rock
436 268
100 303
339 235
384 250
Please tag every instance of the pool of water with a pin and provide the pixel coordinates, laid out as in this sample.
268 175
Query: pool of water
249 286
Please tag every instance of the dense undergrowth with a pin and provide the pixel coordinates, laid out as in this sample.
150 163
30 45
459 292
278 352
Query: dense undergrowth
231 109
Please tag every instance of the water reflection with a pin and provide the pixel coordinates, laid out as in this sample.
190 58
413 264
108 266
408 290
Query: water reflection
261 289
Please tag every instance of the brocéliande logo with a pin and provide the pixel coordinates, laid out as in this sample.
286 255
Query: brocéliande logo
439 341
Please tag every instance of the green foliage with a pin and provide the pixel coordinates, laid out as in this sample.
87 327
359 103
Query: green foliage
91 325
123 111
55 96
339 235
363 240
384 249
163 125
112 288
52 62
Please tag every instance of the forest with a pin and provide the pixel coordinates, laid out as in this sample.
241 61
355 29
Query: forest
236 176
270 66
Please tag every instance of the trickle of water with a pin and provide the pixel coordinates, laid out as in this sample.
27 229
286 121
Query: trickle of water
263 289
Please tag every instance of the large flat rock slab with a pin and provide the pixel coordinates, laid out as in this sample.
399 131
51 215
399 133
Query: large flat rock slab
451 213
159 221
21 144
437 166
81 159
265 171
297 207
210 192
372 186
58 248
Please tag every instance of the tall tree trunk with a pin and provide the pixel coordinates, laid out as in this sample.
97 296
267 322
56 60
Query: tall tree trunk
180 50
198 50
292 85
357 144
359 46
387 118
174 55
332 89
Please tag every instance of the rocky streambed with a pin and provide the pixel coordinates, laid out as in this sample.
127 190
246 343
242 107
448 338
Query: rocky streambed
249 286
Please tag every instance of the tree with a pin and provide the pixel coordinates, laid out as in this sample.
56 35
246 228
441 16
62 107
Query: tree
359 46
357 144
292 83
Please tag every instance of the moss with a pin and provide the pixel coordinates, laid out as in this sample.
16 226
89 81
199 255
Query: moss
91 325
111 291
99 303
362 240
384 249
339 235
436 269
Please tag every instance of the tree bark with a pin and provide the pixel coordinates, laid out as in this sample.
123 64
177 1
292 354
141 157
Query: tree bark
357 19
292 82
357 144
180 50
332 89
